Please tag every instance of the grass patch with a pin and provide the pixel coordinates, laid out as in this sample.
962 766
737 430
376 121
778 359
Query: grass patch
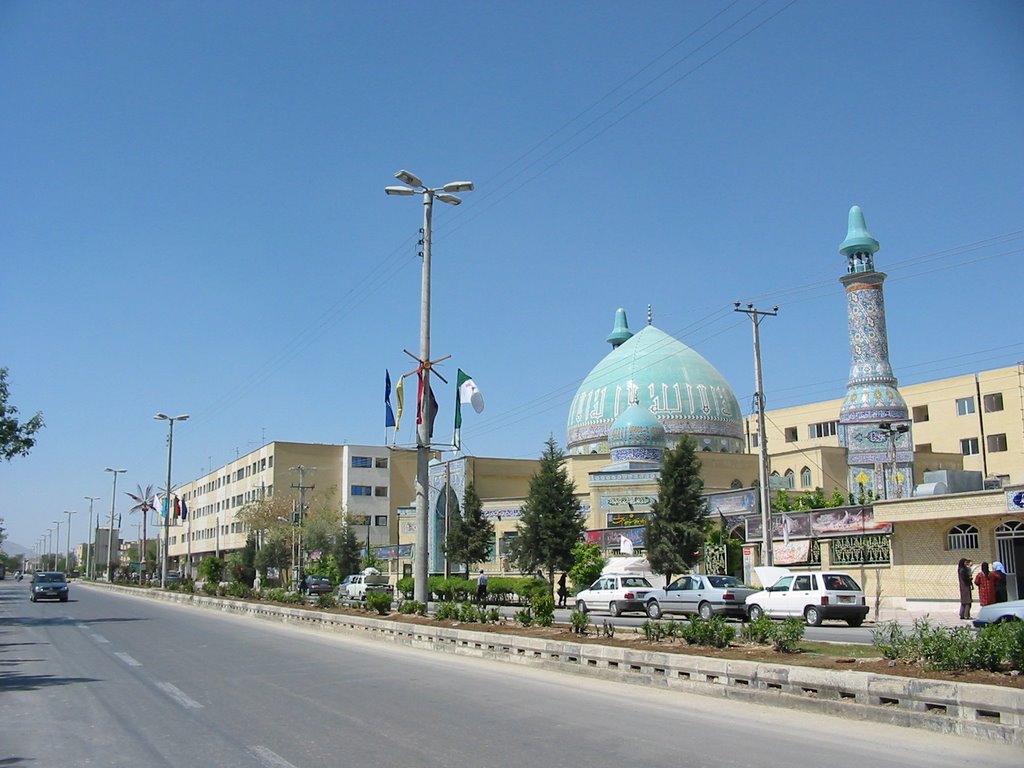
839 650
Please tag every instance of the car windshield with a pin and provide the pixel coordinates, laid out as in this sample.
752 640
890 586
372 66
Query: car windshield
840 582
635 581
725 581
50 578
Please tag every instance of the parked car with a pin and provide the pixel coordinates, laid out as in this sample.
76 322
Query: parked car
814 595
317 585
615 593
997 613
357 586
48 585
703 594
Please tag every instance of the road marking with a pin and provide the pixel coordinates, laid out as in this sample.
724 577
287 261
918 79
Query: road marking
268 757
178 695
82 626
128 659
100 638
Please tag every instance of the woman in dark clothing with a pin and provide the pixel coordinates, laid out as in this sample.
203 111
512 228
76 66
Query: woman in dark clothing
999 574
963 575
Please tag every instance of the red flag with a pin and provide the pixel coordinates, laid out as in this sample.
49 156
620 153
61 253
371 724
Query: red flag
431 403
177 507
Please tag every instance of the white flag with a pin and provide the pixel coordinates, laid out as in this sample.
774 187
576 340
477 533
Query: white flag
625 545
469 393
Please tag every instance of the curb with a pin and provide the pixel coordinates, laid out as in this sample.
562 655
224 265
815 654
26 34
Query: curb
987 712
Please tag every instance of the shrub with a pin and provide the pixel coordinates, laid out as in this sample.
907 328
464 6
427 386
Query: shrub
326 601
524 617
543 606
580 622
713 632
652 631
406 586
786 636
493 615
238 589
447 610
379 602
210 587
469 613
758 630
409 607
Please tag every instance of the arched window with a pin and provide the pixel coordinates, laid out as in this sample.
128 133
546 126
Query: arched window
790 478
736 484
805 477
962 536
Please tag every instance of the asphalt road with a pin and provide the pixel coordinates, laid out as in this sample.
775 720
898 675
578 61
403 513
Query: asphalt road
114 680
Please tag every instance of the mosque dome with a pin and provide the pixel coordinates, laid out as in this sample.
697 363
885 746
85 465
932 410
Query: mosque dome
636 435
669 381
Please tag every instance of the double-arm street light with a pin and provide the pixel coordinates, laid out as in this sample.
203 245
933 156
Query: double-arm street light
89 557
446 195
110 533
167 517
67 560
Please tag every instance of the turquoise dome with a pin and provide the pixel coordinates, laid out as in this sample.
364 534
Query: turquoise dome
674 384
636 435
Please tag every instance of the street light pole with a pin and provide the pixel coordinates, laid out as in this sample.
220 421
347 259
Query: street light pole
92 537
762 439
167 518
445 194
110 531
67 558
57 545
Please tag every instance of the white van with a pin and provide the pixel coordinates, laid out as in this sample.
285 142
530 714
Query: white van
814 595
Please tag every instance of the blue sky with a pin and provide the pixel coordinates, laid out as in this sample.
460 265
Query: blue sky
193 217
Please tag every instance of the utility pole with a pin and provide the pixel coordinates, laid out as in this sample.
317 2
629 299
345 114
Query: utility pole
89 557
762 439
297 518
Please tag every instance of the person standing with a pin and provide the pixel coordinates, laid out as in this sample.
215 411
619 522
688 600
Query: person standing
986 586
999 574
563 593
963 575
481 587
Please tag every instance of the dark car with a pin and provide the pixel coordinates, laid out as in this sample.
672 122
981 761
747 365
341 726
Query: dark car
317 585
49 585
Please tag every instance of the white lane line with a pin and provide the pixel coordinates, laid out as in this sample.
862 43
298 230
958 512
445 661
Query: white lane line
268 757
178 695
127 659
99 638
82 626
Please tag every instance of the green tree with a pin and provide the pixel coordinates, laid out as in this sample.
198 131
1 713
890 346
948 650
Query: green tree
16 438
470 535
346 551
211 569
677 527
588 562
275 550
551 524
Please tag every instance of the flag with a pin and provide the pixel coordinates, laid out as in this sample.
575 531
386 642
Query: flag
424 384
625 545
389 415
177 507
163 507
184 510
399 401
466 391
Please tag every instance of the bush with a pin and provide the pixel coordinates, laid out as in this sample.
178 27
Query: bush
379 602
524 617
580 622
713 632
409 607
469 613
786 636
210 587
993 648
326 601
238 589
447 610
406 586
543 606
758 630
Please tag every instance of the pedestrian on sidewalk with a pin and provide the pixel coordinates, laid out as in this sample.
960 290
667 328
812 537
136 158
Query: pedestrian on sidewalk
563 593
986 586
963 575
481 587
999 573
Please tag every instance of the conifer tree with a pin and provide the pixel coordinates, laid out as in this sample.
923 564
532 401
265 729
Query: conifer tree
677 527
551 523
471 536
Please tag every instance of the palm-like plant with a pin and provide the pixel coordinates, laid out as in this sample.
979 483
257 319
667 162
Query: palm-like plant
144 501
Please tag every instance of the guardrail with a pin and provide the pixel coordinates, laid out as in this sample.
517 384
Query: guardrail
987 712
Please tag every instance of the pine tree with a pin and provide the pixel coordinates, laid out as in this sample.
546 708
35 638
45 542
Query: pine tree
551 523
346 551
470 537
677 527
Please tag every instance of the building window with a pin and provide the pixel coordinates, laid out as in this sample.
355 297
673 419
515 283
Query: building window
754 441
993 402
996 443
362 462
270 462
969 446
362 490
963 536
381 521
790 478
822 429
964 406
380 491
790 434
920 413
381 462
805 477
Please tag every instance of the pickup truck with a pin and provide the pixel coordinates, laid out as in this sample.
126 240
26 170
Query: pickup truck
358 585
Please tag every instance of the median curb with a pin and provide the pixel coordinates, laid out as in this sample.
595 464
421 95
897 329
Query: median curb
988 712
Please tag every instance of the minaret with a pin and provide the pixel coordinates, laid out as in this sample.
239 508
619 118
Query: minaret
873 421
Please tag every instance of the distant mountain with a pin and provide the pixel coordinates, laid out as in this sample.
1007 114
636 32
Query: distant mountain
13 548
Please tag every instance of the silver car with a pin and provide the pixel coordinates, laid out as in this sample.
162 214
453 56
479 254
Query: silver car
703 594
997 613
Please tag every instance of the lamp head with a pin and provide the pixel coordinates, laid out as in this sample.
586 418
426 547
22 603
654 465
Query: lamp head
162 416
458 186
406 177
398 190
444 197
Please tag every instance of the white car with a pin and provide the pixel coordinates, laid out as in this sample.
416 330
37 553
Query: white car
615 593
814 595
997 613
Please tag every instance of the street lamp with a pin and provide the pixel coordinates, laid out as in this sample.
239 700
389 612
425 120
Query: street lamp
67 560
893 431
446 195
110 533
89 558
57 545
167 518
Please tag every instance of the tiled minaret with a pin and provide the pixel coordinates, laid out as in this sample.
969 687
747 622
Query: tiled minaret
873 420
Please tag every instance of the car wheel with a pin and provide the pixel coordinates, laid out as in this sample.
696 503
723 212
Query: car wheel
64 599
704 611
32 598
856 621
755 612
812 616
654 609
613 608
581 607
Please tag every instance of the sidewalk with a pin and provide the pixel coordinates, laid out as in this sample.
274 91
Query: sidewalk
944 613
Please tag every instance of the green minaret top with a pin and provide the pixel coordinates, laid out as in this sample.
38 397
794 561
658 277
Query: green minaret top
858 239
620 332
